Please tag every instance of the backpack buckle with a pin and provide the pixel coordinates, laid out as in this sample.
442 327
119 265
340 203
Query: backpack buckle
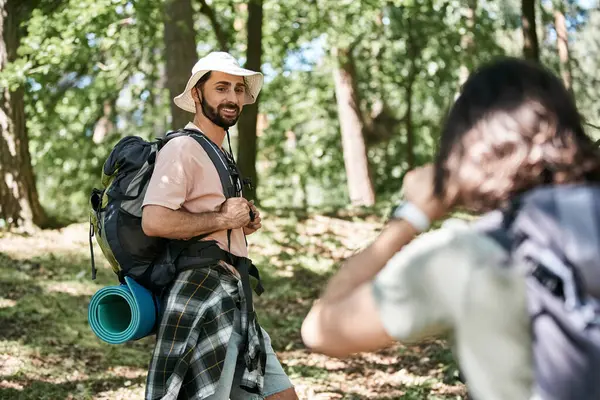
247 182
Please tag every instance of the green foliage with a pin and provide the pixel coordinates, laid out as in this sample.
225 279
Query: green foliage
301 146
79 55
586 51
381 35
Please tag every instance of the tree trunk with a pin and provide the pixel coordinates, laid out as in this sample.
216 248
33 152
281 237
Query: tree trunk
223 37
105 126
531 49
180 53
246 154
563 46
413 51
408 124
360 186
19 201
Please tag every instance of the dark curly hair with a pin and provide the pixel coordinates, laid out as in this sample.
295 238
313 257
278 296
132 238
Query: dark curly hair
513 127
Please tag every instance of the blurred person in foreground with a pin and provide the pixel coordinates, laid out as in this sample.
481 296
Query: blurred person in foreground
512 147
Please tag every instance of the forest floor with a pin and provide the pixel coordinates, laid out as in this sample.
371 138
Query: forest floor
48 351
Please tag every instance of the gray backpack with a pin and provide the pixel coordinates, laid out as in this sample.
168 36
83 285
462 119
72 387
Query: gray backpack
555 233
116 210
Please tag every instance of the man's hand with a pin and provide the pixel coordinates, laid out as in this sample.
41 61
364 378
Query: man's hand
236 212
418 189
255 224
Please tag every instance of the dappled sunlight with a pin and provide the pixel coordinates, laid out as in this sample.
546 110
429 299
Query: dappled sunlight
367 375
340 99
48 347
7 303
71 288
164 179
25 368
10 365
22 364
4 384
287 272
315 243
124 393
126 372
133 386
68 239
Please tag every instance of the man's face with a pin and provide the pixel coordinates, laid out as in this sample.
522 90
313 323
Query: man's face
222 98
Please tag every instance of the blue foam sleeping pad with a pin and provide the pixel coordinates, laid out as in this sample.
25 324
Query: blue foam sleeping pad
118 314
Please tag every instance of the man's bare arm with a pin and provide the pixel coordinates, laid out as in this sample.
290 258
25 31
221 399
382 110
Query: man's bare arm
180 224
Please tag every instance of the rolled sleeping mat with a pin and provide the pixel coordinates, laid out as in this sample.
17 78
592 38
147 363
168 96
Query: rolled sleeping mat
118 314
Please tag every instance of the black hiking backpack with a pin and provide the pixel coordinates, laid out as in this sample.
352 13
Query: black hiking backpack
554 233
116 209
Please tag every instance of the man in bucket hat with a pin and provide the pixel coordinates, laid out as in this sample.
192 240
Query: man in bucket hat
209 344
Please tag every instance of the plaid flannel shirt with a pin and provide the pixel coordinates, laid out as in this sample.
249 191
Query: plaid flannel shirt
195 328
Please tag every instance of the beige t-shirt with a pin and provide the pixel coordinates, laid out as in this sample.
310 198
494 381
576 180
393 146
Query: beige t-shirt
185 177
451 281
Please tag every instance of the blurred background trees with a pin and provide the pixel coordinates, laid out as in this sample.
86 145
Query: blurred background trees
355 90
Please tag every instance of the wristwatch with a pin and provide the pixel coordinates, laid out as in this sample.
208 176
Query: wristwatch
413 215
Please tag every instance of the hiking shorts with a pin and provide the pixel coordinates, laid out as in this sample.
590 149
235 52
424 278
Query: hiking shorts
276 379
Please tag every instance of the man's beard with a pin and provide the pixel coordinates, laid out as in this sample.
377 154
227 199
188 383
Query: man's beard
215 116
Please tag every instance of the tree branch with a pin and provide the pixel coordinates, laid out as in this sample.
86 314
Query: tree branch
354 44
592 125
222 36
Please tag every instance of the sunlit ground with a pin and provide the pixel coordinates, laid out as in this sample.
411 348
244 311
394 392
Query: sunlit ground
47 350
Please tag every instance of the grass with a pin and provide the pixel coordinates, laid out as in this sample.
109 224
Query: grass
47 350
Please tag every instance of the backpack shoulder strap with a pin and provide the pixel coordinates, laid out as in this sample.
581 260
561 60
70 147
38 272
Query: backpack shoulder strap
495 226
524 242
501 236
221 163
219 159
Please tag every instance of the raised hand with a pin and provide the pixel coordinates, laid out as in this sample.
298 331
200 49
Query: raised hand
418 189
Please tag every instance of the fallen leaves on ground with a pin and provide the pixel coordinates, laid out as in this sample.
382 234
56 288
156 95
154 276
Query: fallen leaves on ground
47 349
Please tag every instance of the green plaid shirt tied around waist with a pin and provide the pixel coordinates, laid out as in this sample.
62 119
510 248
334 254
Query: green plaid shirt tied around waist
195 328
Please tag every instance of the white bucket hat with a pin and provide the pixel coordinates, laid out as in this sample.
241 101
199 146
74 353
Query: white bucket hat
223 62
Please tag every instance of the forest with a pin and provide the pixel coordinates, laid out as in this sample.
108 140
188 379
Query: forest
355 94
